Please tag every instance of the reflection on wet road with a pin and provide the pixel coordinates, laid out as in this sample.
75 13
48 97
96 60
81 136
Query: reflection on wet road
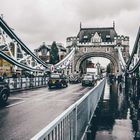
117 125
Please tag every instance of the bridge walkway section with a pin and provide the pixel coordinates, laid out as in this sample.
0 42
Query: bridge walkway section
116 121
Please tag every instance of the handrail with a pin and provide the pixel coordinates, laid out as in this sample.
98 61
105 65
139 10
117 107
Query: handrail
23 83
134 48
68 126
130 71
134 68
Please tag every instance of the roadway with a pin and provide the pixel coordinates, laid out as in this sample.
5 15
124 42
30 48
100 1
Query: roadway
27 112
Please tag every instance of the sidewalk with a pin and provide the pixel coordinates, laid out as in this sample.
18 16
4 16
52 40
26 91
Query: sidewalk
120 126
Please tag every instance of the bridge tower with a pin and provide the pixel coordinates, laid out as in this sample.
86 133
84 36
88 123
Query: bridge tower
98 42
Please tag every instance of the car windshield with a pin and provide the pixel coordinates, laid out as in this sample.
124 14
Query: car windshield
87 77
55 76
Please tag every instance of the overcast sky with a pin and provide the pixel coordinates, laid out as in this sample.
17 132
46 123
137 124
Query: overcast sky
37 21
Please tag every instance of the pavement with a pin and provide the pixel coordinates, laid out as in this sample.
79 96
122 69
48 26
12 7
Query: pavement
120 126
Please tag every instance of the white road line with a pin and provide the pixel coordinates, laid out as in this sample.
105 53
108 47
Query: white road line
14 104
16 98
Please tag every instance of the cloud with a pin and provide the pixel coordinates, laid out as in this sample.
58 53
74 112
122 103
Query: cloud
99 9
54 20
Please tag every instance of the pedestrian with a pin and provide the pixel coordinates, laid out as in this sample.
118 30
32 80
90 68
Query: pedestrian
133 81
120 88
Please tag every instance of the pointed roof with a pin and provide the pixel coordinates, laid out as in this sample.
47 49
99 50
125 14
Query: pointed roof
106 34
41 47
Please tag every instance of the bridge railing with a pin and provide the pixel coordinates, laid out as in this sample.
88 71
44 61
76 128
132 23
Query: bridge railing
26 83
72 123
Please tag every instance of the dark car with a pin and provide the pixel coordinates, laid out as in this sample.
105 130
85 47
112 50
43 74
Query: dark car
74 78
4 91
57 80
112 77
88 80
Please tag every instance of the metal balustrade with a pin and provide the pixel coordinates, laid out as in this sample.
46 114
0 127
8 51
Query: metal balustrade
73 122
26 83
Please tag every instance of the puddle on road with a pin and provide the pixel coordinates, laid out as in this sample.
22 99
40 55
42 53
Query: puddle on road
115 120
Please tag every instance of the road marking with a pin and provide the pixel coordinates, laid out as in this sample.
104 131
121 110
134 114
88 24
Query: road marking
14 104
16 98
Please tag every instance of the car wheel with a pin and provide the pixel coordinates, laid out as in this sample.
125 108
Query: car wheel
4 96
66 85
50 87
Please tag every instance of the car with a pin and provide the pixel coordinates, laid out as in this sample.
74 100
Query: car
88 80
112 77
75 78
57 80
4 91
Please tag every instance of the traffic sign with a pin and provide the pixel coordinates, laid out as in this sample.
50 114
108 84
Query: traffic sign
52 68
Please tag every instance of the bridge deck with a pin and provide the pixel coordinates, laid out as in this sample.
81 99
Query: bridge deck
28 112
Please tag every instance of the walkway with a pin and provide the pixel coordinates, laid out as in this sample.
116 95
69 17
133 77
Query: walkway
119 125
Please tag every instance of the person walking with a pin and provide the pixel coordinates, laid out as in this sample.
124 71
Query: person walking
133 82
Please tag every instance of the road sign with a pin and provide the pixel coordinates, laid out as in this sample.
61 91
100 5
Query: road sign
52 68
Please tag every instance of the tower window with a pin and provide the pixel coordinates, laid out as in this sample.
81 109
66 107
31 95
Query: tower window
107 49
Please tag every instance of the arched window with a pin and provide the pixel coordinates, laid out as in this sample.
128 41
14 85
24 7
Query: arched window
84 49
107 49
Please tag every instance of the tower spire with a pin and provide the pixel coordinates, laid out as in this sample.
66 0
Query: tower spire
114 24
80 25
1 15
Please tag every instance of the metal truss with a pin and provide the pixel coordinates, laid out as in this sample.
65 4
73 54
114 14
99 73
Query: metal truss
19 53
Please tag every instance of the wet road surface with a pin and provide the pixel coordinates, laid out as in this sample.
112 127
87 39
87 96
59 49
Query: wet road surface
117 125
26 113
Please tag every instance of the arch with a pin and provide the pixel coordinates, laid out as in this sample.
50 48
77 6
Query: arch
97 54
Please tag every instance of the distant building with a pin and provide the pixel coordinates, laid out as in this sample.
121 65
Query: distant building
61 50
43 52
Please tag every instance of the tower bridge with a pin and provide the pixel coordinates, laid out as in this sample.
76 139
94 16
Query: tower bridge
99 42
73 123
